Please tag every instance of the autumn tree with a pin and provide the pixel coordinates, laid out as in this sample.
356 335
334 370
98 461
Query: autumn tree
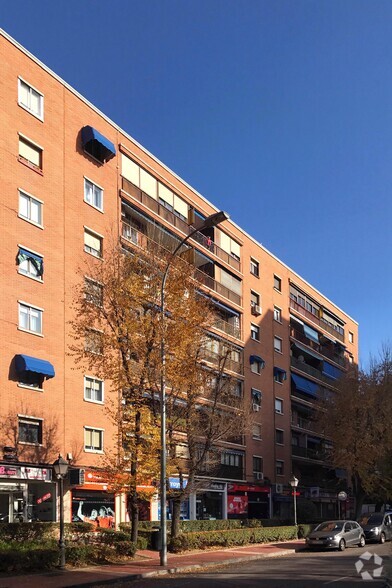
356 418
118 330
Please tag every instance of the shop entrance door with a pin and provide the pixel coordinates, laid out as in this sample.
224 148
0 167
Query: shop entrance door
11 507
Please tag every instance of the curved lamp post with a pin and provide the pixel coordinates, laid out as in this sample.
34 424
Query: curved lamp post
294 483
60 468
211 221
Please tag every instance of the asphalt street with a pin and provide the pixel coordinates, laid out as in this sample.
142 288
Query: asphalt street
301 570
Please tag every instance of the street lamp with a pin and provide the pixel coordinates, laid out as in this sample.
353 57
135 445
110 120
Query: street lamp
294 483
211 221
60 468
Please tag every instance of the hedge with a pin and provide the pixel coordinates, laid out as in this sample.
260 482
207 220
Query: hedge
229 538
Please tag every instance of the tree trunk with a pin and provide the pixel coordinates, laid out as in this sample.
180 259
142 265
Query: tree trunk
133 512
175 525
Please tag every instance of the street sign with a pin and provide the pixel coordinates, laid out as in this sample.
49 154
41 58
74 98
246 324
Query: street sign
295 493
342 496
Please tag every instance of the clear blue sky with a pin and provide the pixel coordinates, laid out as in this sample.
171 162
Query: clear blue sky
278 111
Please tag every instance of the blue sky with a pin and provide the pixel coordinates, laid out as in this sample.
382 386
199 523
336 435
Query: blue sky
278 111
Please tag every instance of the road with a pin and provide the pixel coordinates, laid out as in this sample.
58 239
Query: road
302 570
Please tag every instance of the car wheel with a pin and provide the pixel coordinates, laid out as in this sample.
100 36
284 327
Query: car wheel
362 541
342 545
382 538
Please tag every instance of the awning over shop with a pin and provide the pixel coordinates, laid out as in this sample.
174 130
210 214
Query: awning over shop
25 363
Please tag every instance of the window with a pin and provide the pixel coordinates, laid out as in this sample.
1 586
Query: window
351 337
93 194
30 208
255 303
279 405
255 367
30 264
256 432
277 283
93 389
279 436
255 332
278 344
256 399
29 430
93 243
30 318
277 314
31 379
231 459
258 467
94 341
93 292
279 467
30 153
279 375
93 439
30 99
254 267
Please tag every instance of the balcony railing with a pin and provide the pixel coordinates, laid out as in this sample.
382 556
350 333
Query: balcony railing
302 423
227 328
322 349
220 359
137 238
179 223
315 319
305 452
310 370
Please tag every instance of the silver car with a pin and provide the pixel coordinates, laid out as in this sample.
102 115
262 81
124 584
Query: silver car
336 535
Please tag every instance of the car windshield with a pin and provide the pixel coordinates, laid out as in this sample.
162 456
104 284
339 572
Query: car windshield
374 519
330 526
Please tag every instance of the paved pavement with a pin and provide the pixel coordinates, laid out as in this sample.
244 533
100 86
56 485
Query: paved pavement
147 564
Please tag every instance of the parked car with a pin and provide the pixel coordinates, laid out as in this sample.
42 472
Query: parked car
336 535
377 526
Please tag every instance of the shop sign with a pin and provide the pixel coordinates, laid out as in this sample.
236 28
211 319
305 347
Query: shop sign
247 488
218 486
174 483
26 473
10 471
237 505
44 498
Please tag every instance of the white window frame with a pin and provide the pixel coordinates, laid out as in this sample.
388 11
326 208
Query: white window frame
33 145
262 465
256 264
101 382
278 348
27 107
257 436
95 429
29 306
254 332
350 337
91 331
276 277
34 421
94 186
30 198
89 296
97 236
255 368
279 461
280 402
28 274
277 314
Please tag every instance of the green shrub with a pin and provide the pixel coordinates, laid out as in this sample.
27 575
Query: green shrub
232 537
304 530
126 548
16 557
22 532
142 542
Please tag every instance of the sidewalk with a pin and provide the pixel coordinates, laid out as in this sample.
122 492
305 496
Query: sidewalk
147 565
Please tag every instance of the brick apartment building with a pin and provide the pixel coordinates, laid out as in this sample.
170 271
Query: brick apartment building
71 178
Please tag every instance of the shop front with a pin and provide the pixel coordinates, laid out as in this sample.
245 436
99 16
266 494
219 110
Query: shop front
91 500
27 493
248 501
210 501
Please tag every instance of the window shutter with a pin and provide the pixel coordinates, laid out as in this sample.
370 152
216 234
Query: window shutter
92 241
130 170
29 152
180 206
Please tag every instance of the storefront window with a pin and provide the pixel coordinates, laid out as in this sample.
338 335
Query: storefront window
96 508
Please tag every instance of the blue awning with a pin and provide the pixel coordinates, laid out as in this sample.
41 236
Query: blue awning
331 371
257 359
97 145
278 371
311 333
25 363
304 385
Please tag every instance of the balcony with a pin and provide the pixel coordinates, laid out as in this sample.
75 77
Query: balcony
322 349
302 423
307 453
311 371
315 319
228 328
219 359
139 239
179 223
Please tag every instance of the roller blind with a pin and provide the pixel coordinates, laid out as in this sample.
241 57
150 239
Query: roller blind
148 183
180 206
30 152
130 170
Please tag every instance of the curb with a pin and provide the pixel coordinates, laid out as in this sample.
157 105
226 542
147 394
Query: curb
184 569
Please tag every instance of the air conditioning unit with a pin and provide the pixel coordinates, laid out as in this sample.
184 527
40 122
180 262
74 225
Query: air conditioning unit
256 407
256 309
278 488
259 475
